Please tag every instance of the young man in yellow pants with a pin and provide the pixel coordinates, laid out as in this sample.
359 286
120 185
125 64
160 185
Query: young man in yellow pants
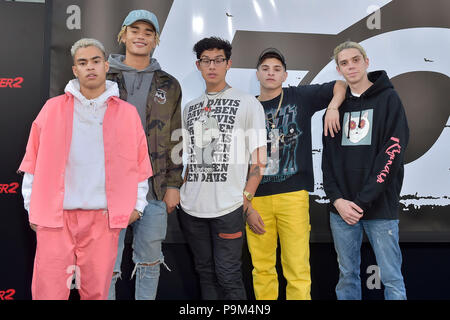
282 200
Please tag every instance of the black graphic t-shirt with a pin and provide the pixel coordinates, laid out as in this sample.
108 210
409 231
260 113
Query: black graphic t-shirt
290 166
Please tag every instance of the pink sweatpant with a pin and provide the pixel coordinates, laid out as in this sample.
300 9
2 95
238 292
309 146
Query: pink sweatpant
84 246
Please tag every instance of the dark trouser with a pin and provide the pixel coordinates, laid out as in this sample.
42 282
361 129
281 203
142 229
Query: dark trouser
216 244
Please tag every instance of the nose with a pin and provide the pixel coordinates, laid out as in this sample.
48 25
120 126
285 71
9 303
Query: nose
212 65
140 35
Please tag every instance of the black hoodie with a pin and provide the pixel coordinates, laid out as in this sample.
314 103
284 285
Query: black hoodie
363 163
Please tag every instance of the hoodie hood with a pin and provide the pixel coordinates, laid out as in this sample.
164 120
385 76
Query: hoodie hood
116 64
73 87
134 77
380 82
136 82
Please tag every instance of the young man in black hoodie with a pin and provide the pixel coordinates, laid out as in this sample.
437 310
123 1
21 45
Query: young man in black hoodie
157 97
363 174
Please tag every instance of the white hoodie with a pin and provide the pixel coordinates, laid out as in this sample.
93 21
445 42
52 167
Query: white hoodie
85 169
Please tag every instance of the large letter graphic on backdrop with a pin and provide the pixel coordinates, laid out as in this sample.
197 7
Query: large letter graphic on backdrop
307 33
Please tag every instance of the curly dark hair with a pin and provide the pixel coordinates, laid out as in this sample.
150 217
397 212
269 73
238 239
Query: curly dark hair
213 43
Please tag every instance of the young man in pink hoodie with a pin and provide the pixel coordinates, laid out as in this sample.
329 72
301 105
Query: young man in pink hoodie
85 178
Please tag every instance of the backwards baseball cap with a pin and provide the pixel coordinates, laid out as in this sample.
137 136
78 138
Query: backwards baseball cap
271 53
141 15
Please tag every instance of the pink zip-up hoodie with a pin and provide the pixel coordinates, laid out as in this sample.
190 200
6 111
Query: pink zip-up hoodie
126 159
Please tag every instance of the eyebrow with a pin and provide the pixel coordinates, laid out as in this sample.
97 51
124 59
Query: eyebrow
146 28
358 55
276 65
84 59
219 56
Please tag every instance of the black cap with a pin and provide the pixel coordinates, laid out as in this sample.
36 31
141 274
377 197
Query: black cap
271 53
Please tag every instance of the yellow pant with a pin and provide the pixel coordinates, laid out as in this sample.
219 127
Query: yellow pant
285 215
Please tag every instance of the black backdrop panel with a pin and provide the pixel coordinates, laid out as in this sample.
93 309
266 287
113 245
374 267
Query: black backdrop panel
21 83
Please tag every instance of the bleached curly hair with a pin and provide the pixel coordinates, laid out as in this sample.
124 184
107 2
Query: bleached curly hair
87 42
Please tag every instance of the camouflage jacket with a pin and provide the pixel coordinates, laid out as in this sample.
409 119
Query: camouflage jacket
163 118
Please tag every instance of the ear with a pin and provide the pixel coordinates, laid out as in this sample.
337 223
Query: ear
229 63
257 75
123 36
106 66
285 76
338 70
75 71
198 65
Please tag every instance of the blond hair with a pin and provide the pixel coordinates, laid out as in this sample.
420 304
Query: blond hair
124 29
87 42
348 45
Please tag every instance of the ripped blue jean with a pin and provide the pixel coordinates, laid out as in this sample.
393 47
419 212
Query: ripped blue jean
383 237
148 234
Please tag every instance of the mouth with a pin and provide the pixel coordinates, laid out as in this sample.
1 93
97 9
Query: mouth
140 44
212 75
91 76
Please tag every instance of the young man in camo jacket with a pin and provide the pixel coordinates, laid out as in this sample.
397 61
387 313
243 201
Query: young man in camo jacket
157 97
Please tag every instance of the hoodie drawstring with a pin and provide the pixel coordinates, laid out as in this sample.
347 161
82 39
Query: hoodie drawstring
350 118
360 112
141 77
132 87
349 124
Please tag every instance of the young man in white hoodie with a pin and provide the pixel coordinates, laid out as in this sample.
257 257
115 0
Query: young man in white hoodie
86 168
